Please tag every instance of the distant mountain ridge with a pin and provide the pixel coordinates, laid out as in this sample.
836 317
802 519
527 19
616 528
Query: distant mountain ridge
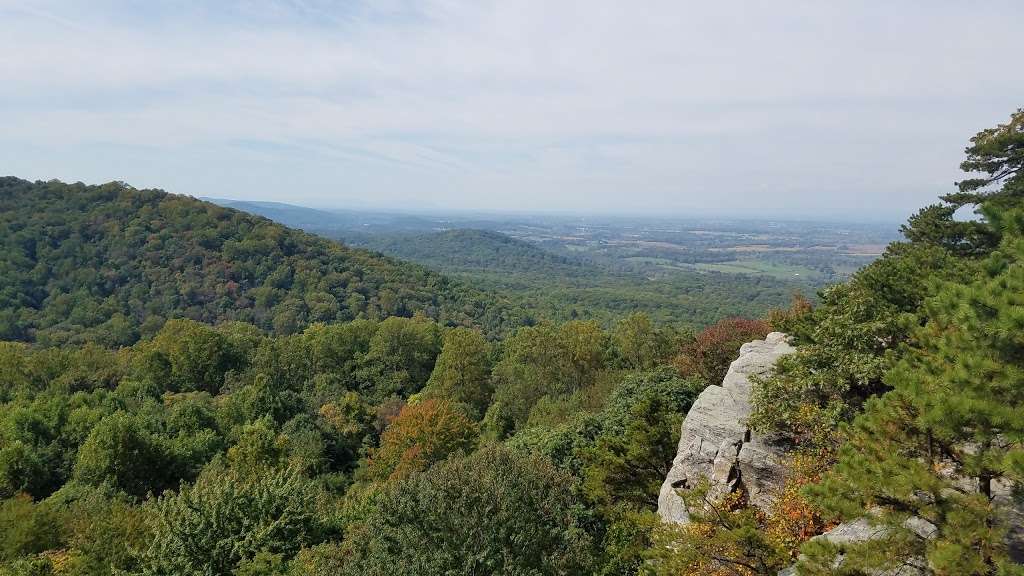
110 263
335 223
422 239
465 250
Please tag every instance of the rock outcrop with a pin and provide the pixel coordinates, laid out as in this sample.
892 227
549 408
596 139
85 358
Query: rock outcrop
1013 507
717 446
861 530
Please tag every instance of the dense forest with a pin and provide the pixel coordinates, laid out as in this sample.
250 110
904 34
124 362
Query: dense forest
220 442
315 452
563 288
110 264
469 250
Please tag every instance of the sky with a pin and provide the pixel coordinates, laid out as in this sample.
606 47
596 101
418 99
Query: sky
849 109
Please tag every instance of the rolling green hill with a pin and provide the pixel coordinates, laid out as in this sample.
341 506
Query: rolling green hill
469 250
544 284
332 223
561 288
111 263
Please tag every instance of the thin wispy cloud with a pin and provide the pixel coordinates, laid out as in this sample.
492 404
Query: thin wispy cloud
783 108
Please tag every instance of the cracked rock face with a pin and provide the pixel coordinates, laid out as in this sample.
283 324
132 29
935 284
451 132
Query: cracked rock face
717 446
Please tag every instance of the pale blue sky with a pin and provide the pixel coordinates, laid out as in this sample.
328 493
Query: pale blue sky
856 109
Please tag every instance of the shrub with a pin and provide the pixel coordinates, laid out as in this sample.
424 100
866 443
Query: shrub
493 512
709 354
226 519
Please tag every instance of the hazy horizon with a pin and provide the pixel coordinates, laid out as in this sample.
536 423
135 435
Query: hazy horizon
812 111
568 214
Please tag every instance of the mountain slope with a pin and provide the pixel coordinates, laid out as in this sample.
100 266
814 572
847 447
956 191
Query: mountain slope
557 287
470 250
110 263
332 223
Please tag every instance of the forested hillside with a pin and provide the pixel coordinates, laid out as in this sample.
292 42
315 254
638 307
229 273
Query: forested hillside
692 299
406 446
344 449
563 288
109 264
467 250
543 284
560 288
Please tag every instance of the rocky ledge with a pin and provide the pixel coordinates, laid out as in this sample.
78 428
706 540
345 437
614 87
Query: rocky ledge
717 446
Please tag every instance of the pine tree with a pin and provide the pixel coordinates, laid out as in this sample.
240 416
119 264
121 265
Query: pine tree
931 460
996 155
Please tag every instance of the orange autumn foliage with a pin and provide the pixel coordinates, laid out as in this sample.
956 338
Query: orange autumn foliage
709 354
793 520
421 434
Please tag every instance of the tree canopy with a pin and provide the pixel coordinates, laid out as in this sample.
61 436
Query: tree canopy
111 264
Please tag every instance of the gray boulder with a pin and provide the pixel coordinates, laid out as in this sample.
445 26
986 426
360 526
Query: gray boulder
717 446
1013 509
861 530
